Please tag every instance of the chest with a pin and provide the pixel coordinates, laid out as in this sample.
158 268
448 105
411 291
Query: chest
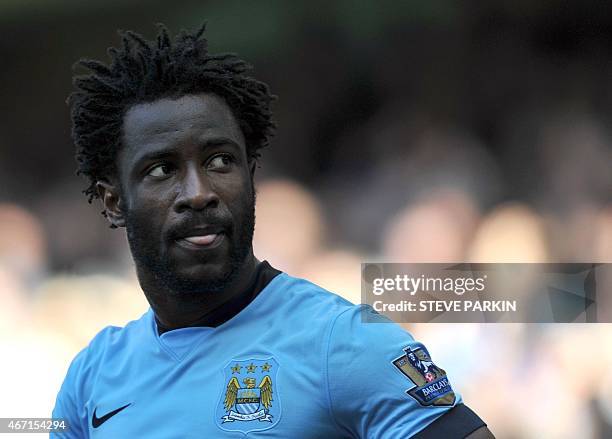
249 389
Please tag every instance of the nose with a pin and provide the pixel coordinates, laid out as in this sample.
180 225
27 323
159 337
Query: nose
196 192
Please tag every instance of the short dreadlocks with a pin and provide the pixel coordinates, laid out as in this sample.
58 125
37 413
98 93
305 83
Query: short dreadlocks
144 71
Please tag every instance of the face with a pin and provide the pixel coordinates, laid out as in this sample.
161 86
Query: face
187 197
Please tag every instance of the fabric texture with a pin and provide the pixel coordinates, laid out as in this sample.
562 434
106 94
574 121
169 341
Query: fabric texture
296 362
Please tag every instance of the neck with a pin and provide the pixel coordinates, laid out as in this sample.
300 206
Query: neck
174 311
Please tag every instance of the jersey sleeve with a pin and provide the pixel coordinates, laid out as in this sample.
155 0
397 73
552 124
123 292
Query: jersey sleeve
69 405
382 383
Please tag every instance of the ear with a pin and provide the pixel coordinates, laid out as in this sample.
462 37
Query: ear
111 199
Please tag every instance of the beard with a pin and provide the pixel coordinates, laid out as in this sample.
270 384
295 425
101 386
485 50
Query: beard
153 261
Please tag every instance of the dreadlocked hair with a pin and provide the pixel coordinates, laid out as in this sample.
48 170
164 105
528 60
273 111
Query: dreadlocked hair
144 71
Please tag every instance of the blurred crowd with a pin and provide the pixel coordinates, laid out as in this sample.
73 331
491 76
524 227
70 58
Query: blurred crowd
525 380
452 132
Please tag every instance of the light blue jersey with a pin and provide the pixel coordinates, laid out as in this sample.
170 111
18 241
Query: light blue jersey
297 362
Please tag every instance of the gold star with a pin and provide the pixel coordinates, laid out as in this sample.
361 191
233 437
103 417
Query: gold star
266 367
251 368
236 368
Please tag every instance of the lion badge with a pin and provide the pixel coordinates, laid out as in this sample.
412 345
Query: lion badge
432 387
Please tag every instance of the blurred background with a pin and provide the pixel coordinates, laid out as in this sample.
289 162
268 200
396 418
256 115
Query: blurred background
408 132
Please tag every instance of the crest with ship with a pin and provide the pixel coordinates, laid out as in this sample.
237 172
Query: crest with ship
249 399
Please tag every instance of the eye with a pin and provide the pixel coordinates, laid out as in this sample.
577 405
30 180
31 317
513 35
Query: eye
160 171
220 162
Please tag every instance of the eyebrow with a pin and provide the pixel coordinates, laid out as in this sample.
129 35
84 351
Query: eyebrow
175 150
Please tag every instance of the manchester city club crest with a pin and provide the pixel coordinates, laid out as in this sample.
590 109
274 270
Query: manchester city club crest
432 385
250 400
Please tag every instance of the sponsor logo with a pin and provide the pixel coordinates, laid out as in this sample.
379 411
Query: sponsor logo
432 387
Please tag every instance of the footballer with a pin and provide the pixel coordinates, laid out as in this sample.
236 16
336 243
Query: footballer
169 137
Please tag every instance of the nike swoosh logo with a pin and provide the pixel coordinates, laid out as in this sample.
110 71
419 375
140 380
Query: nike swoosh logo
96 422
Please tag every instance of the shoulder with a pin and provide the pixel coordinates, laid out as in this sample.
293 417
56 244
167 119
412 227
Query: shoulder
295 288
104 345
365 339
377 369
343 322
83 370
306 298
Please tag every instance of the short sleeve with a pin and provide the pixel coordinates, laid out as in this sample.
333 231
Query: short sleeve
381 383
69 405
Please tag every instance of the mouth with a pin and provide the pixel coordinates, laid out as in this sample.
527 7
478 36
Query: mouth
201 239
201 242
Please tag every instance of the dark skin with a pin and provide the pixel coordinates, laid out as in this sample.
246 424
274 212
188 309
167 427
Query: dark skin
185 192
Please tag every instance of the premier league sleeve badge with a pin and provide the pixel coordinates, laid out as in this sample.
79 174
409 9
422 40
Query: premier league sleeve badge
432 387
249 400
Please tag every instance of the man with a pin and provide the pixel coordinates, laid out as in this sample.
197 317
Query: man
169 137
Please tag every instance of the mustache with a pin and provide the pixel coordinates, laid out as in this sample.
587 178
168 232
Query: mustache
215 220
